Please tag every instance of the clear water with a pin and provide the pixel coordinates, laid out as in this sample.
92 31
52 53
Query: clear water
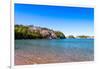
76 49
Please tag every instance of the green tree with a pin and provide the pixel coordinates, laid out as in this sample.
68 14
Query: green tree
82 36
59 34
71 36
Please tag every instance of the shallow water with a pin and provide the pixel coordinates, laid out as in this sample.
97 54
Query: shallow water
56 50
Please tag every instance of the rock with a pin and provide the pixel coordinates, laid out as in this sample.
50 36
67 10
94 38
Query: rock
35 32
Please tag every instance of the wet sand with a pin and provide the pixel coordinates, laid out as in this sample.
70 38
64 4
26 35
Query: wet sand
26 58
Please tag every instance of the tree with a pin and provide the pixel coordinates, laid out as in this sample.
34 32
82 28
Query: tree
70 36
59 34
82 36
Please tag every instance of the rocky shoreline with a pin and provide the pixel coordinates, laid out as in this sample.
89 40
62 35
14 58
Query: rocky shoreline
34 32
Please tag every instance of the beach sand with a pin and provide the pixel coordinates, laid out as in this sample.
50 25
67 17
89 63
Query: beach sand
26 58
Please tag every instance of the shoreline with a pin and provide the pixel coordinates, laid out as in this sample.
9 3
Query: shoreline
54 39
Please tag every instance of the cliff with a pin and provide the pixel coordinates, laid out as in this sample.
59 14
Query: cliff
34 32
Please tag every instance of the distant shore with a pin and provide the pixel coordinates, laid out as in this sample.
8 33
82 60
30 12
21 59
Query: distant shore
35 32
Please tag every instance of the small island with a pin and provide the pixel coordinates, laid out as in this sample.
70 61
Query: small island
80 37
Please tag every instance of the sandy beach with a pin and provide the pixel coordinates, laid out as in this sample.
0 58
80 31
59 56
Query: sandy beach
25 58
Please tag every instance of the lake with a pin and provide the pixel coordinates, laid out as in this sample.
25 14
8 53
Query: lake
43 51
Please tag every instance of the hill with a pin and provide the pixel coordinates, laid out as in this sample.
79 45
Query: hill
35 32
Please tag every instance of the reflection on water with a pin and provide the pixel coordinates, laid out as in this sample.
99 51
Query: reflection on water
62 50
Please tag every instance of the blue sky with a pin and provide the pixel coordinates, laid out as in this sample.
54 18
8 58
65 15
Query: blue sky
69 20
